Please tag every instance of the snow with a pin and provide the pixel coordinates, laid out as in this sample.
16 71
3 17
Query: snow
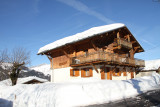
44 68
80 92
152 64
80 36
22 80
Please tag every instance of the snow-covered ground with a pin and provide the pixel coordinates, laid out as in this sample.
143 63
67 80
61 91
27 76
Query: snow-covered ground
80 92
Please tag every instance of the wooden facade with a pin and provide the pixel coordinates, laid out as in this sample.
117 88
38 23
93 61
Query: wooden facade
115 48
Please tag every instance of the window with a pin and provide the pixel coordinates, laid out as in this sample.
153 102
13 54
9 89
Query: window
116 72
74 72
86 72
124 72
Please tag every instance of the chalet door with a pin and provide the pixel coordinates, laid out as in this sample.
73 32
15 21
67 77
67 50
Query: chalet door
132 74
105 74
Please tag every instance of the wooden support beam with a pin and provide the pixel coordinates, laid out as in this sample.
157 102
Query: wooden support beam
118 47
118 36
125 37
65 53
133 42
128 36
74 51
132 52
140 50
106 34
95 68
94 46
135 48
114 68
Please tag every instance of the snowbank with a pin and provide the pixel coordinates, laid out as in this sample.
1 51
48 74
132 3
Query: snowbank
80 36
81 93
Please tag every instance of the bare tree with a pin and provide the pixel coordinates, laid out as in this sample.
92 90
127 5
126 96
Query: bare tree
3 56
17 59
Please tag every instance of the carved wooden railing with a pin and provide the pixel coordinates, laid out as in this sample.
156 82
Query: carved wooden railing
123 43
106 57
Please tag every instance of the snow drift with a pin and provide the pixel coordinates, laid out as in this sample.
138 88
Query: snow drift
81 92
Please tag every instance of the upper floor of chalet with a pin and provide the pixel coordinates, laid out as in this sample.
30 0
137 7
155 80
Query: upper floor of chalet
111 44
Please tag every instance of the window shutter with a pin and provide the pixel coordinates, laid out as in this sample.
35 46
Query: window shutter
102 73
77 72
110 74
113 73
82 72
90 72
124 73
71 72
119 73
132 75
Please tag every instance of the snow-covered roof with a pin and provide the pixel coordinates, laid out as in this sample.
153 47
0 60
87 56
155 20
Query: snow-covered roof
22 80
27 79
152 64
80 36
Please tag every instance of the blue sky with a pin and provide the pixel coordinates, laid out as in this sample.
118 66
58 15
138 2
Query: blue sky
35 23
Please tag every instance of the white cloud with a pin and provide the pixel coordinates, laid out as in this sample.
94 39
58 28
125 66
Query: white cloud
83 8
149 43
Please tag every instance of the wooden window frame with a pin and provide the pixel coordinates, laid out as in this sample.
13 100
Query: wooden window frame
124 72
117 72
74 72
83 72
106 70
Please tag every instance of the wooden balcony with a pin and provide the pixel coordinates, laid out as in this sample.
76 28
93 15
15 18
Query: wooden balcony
110 58
119 42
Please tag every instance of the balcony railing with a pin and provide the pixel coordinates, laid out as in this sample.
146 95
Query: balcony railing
101 56
123 43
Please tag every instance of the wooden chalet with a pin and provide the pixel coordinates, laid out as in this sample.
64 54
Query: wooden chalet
105 52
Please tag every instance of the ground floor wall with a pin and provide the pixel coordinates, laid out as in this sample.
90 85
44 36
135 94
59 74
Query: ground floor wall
66 74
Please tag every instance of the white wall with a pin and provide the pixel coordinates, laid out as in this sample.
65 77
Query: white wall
63 74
